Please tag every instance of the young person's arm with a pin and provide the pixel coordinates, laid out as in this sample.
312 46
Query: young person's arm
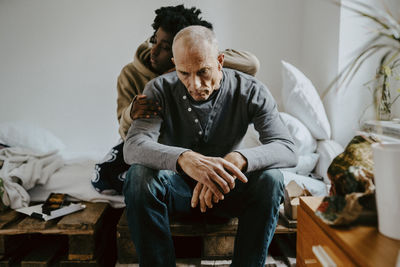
241 60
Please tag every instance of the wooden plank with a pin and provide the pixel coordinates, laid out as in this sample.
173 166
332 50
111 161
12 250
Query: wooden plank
228 228
47 250
34 224
123 220
86 219
7 217
125 247
81 247
218 246
9 244
15 256
76 263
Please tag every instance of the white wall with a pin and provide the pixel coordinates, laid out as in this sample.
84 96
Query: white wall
59 60
351 104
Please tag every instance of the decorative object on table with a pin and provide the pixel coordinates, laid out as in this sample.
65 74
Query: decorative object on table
387 181
55 206
386 41
53 202
352 194
293 192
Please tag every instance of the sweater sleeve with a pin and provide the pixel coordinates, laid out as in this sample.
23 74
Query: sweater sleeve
241 60
141 144
127 89
278 149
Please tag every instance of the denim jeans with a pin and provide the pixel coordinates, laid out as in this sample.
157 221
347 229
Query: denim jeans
152 197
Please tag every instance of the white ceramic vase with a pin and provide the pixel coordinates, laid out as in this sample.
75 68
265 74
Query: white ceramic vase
387 182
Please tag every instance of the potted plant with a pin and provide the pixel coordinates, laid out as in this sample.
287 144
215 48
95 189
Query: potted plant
386 156
385 41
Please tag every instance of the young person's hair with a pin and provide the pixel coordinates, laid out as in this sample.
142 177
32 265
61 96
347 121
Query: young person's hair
172 19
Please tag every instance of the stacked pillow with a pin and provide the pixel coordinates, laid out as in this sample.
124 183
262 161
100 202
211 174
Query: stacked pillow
305 116
301 99
305 144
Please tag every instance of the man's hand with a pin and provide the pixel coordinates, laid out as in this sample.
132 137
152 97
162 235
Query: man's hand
144 108
211 171
203 195
237 159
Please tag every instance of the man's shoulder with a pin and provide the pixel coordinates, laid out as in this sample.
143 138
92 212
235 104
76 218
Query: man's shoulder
165 83
166 80
245 80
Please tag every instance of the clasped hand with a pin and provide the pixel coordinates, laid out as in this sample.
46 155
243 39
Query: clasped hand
215 176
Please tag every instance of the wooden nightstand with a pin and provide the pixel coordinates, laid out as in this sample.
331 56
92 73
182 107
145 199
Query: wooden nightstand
356 245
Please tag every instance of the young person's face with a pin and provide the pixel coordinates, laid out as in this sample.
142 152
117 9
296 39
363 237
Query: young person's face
161 52
199 69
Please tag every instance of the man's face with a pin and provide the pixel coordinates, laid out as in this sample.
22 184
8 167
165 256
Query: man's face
199 69
161 52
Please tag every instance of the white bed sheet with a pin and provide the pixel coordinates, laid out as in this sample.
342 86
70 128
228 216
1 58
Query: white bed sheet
74 179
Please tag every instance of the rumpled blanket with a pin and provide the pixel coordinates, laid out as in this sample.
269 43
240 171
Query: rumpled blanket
23 169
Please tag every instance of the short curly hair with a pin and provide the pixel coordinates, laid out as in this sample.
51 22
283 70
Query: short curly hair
172 19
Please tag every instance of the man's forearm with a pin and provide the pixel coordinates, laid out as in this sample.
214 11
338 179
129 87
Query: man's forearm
277 154
141 146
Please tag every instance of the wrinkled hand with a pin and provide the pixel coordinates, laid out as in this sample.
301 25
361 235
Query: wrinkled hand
144 108
210 171
203 195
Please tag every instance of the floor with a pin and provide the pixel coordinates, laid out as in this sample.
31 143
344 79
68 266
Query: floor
282 253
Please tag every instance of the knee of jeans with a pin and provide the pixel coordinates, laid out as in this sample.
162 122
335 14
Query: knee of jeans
140 183
271 183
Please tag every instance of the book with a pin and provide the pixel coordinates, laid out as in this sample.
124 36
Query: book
388 128
37 211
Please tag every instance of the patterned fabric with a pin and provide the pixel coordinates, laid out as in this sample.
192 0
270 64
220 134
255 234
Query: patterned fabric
352 194
109 175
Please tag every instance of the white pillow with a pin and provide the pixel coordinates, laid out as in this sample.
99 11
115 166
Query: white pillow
302 137
327 150
301 99
28 135
305 164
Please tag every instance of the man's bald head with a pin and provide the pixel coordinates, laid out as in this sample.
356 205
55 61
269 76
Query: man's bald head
197 61
195 38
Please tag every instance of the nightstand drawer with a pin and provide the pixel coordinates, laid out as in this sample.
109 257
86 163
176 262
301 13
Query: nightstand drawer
309 234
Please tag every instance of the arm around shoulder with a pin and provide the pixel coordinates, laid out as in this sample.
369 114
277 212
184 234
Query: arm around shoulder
242 61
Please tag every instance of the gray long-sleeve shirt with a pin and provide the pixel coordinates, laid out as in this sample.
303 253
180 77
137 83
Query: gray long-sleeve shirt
213 127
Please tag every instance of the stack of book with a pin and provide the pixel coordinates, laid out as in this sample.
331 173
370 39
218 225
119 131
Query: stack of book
385 130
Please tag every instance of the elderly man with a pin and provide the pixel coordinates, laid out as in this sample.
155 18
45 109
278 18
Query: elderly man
187 158
153 58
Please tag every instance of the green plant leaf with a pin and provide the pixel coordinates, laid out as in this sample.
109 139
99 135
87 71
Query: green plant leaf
387 70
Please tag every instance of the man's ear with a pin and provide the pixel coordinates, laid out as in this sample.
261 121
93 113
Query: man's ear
173 61
220 61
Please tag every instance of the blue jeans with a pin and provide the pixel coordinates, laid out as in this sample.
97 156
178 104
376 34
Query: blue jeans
152 197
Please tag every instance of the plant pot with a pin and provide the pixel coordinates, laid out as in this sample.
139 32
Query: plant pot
387 182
